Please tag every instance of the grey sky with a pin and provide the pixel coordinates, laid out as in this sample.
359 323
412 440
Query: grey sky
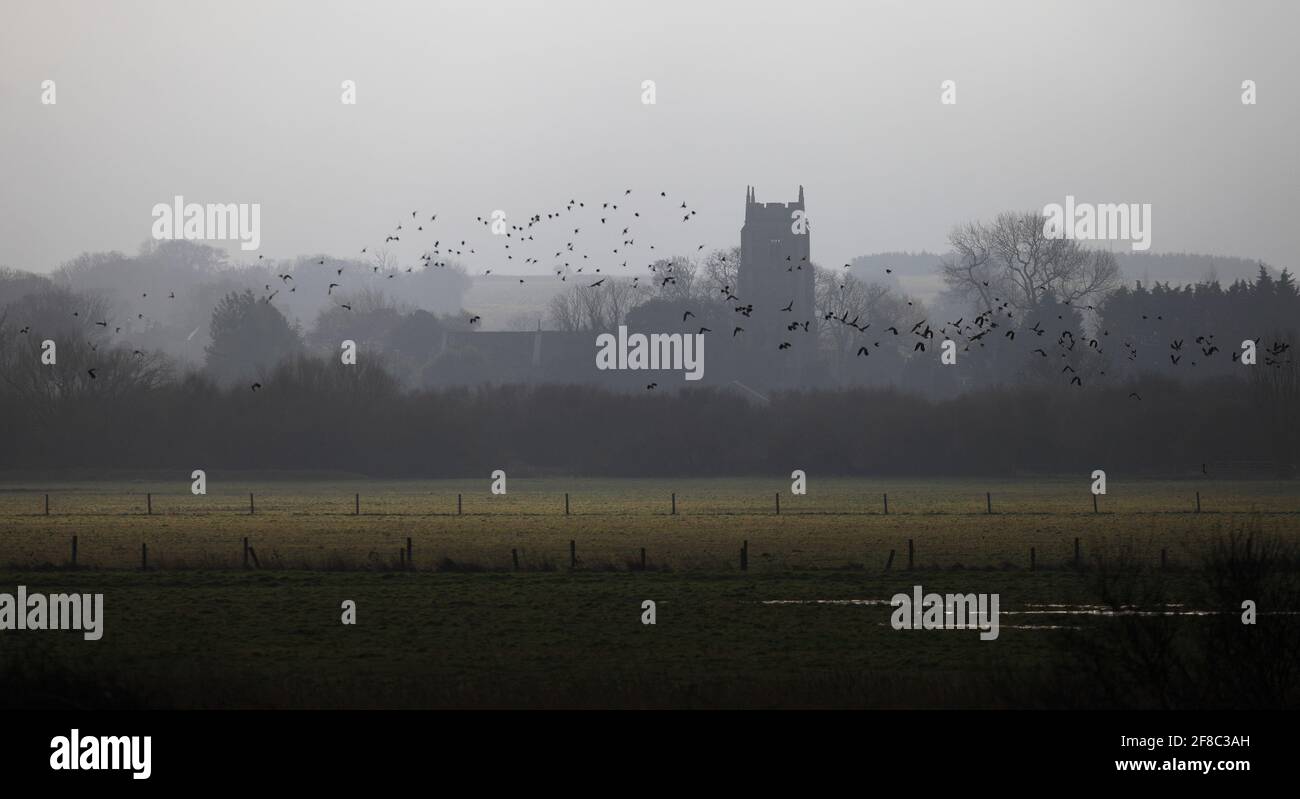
468 107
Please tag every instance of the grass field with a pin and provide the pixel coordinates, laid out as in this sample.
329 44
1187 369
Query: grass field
840 523
422 639
806 625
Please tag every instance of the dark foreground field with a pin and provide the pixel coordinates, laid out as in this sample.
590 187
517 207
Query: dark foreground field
233 639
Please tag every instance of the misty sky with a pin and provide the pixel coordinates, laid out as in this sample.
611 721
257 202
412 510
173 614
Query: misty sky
468 107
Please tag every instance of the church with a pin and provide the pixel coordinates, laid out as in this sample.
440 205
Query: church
776 277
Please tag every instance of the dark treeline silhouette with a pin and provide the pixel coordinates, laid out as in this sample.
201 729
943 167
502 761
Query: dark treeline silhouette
314 414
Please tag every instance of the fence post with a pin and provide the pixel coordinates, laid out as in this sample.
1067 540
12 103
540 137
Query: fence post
1033 560
144 557
1094 504
250 503
911 554
47 504
573 553
74 552
778 503
674 513
356 507
514 556
889 564
458 505
988 501
886 504
148 499
1198 501
744 555
245 552
566 503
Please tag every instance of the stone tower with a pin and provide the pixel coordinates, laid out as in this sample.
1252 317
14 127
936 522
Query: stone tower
775 272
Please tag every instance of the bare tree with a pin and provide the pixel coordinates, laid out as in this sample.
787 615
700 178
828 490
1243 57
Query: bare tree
721 270
1013 260
846 306
592 307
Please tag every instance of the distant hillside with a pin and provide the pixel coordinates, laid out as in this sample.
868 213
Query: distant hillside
506 304
1179 268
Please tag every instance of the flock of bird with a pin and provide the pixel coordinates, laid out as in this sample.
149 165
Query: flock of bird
563 238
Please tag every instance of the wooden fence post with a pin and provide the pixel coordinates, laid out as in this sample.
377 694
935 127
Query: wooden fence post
250 503
778 503
47 504
245 552
744 555
356 507
1094 504
148 499
674 513
988 501
886 504
252 553
573 553
889 564
514 556
566 503
458 505
1198 501
74 552
144 557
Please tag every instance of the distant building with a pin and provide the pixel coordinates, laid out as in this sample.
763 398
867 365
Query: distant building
776 273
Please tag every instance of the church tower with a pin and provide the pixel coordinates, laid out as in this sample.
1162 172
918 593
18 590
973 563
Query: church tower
776 272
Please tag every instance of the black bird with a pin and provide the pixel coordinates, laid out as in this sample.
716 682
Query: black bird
256 386
91 372
737 330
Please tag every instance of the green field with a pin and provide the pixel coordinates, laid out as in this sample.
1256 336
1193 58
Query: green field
840 523
806 625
